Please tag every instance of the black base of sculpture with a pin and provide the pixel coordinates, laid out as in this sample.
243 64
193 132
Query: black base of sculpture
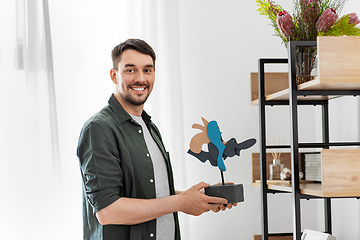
233 193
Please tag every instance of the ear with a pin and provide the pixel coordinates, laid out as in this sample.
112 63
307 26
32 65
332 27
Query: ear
113 74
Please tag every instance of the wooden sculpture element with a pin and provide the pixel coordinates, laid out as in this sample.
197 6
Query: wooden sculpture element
218 150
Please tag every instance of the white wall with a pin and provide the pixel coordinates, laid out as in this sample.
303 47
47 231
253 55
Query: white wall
220 44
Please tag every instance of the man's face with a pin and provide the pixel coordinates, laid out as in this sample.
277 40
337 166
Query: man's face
135 77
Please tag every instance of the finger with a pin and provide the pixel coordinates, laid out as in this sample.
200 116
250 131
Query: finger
216 200
229 205
218 207
229 183
223 207
201 185
216 210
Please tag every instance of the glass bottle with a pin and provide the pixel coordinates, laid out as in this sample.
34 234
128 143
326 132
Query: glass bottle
275 169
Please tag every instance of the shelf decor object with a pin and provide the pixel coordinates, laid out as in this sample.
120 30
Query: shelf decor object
276 167
218 151
309 20
285 160
315 235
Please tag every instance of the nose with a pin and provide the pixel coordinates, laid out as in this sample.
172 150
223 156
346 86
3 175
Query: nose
140 77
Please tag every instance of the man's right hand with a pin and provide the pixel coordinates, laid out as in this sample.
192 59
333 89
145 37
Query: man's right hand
194 202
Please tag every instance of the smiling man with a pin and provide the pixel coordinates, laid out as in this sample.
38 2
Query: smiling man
128 190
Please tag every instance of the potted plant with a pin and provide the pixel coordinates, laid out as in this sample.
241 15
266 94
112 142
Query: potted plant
310 19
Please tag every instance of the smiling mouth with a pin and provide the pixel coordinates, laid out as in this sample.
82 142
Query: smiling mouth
139 89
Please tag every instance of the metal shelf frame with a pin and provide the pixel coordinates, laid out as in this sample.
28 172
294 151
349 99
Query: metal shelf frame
293 103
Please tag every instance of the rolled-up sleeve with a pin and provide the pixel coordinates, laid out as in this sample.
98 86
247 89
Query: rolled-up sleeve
100 165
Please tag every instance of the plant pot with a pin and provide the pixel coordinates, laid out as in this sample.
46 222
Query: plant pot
232 193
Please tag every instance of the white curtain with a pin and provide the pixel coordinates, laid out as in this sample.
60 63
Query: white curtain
30 169
54 74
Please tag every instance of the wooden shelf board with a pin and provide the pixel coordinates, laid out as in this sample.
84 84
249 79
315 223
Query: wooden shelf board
284 95
316 84
313 189
331 84
274 82
259 237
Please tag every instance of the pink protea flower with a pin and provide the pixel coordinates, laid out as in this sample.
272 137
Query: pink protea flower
326 20
353 18
285 23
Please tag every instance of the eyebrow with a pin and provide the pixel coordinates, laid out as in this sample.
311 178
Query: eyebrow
133 65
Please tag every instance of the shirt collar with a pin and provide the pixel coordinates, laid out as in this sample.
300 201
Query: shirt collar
121 114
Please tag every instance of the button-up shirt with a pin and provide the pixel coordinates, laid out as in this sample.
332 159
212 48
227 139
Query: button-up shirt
114 163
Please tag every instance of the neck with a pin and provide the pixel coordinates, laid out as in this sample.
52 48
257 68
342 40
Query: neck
132 109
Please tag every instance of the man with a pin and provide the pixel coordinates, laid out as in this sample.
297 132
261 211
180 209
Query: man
128 190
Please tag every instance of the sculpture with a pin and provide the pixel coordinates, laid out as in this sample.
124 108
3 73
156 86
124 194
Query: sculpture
218 151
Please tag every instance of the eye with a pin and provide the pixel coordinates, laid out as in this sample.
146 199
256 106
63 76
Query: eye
129 70
148 70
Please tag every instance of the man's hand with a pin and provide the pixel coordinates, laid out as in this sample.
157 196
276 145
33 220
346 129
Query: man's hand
196 203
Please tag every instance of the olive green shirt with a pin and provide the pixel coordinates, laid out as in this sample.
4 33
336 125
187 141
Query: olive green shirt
114 163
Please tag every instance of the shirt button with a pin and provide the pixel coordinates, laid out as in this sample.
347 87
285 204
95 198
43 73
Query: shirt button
148 155
151 235
140 131
151 180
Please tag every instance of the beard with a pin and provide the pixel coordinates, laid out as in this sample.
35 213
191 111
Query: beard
133 101
130 99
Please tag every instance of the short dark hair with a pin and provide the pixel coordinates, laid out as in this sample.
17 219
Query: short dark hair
135 44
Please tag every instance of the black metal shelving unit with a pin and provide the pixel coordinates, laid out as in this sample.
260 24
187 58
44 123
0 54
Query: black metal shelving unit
293 103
